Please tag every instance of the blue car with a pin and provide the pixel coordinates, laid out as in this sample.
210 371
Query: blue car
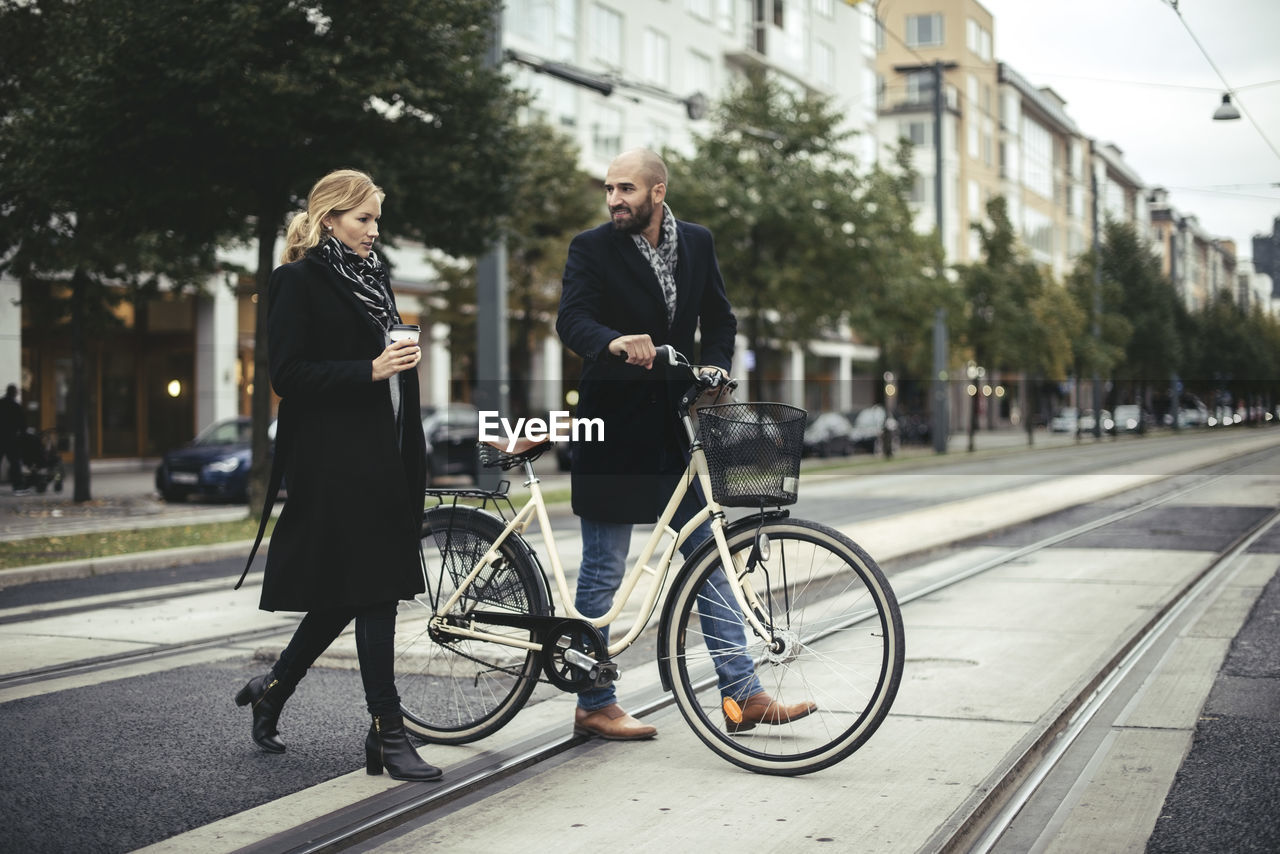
214 465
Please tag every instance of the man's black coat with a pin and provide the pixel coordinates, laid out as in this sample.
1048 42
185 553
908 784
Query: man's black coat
609 290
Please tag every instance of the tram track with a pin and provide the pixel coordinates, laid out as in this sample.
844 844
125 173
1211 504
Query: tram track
978 823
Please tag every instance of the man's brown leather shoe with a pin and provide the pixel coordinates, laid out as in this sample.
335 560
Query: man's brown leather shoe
762 709
612 723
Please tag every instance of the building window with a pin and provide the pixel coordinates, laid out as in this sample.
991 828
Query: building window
921 190
1037 154
659 137
657 58
606 133
824 64
924 30
699 8
724 15
978 39
917 133
699 74
825 8
920 87
606 36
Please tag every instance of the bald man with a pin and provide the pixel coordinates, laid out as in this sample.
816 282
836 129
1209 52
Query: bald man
642 280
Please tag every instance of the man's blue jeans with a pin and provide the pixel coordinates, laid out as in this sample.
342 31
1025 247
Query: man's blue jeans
604 563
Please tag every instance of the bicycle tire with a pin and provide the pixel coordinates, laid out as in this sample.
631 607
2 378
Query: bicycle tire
455 691
843 647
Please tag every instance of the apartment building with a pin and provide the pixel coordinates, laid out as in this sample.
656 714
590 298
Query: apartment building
637 73
182 362
956 157
1199 265
1045 163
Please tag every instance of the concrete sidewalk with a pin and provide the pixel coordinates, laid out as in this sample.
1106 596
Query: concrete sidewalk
125 498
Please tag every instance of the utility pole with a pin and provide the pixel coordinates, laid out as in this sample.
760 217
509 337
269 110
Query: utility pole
492 372
941 346
1097 304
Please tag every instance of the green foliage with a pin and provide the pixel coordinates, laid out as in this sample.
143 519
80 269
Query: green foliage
805 239
551 200
1098 355
1148 301
137 135
1018 319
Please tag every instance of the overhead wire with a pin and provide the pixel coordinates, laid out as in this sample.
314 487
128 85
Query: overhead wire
1173 4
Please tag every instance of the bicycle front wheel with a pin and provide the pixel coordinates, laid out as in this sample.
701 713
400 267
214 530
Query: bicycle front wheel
456 690
835 638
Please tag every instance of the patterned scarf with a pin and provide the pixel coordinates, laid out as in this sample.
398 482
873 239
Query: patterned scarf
367 275
663 259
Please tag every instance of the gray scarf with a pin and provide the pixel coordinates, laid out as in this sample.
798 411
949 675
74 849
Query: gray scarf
367 276
663 259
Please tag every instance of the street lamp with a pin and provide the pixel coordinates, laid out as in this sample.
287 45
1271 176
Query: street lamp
1226 110
976 374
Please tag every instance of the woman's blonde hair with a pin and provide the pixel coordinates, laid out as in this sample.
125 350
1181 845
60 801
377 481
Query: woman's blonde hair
335 193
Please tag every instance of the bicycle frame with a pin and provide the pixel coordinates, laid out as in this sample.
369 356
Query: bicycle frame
535 507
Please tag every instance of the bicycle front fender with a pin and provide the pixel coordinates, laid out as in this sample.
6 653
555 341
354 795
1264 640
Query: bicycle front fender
748 523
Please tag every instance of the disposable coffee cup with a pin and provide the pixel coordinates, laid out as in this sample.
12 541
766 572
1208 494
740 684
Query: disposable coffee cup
405 332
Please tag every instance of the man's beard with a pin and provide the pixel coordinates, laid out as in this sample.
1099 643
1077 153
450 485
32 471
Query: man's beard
637 222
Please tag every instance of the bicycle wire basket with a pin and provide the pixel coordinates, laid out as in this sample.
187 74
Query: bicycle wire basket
753 452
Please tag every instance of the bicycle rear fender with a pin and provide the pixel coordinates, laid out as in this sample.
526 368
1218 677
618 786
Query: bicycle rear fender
747 523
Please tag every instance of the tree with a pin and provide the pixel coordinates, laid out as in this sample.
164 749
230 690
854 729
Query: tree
899 282
805 240
551 200
1097 355
212 118
1009 301
1149 302
73 228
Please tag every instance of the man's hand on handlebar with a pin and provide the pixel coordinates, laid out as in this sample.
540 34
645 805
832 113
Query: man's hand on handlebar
637 349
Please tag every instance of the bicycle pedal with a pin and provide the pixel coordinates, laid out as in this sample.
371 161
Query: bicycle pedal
607 674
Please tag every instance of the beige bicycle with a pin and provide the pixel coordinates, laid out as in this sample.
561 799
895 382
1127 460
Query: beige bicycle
812 611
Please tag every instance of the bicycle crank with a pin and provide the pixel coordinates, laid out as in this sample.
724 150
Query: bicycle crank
575 658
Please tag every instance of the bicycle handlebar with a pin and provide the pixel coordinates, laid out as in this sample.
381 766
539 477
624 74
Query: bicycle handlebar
705 381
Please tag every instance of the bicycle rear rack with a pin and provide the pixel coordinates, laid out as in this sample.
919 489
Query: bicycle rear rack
492 500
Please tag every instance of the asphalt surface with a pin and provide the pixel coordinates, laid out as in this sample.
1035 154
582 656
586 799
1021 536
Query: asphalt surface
1223 799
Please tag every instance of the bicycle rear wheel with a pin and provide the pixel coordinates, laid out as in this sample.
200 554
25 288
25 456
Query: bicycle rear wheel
836 639
455 690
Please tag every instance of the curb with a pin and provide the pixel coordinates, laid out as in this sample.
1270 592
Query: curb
159 559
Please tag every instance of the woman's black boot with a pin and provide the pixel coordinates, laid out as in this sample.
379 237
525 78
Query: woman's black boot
267 694
388 745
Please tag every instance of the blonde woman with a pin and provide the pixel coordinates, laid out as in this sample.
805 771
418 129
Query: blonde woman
349 445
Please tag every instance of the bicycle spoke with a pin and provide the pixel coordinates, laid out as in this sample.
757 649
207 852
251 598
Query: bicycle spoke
825 607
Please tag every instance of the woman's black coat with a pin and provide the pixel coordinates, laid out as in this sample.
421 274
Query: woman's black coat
349 531
609 290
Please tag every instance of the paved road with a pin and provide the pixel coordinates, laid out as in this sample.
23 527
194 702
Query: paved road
1226 800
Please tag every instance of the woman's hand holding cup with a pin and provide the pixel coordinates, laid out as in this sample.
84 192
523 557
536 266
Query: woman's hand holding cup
401 355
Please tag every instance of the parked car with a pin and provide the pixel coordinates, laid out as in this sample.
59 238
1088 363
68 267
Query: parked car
451 433
869 430
828 434
1130 418
915 428
1065 420
213 465
1087 421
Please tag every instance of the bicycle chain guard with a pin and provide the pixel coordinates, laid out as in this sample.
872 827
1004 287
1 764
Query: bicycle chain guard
575 658
574 655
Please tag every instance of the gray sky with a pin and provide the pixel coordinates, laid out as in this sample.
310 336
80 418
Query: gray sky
1132 75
